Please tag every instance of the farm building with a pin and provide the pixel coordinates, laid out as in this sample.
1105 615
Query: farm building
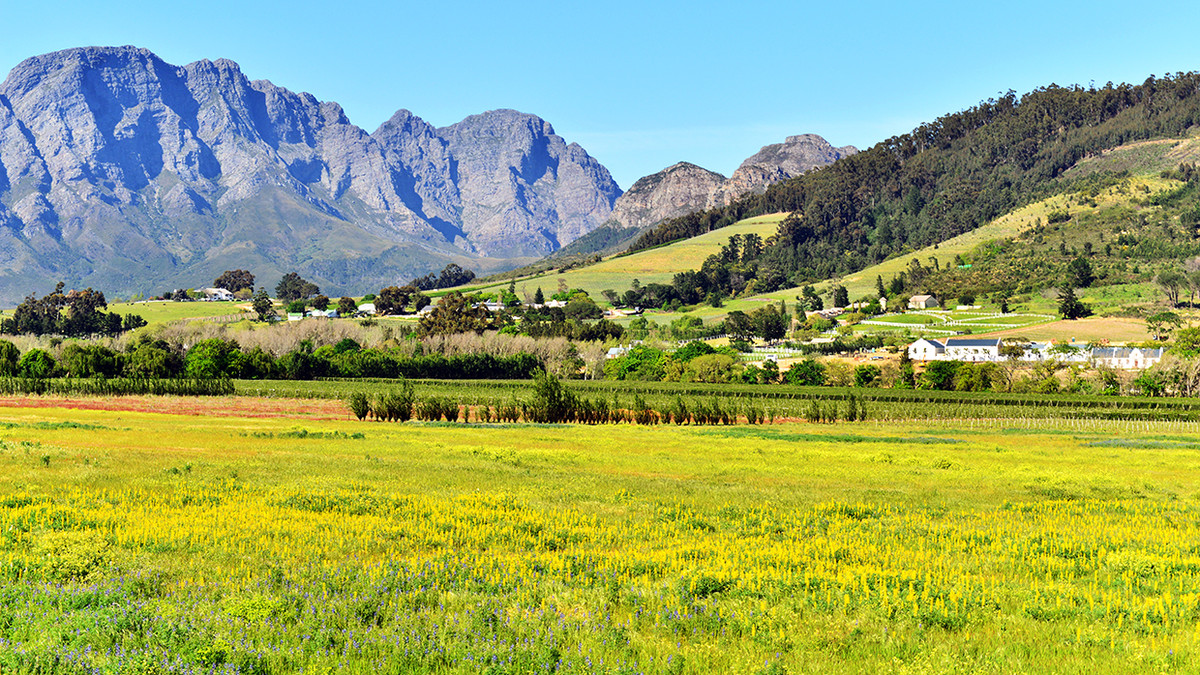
923 302
972 349
217 294
1126 357
979 350
926 350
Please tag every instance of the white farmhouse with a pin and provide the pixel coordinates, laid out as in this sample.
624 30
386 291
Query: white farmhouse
922 302
367 308
926 350
217 294
1126 357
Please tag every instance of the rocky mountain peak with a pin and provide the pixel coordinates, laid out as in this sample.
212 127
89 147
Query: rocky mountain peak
796 155
677 190
683 187
121 171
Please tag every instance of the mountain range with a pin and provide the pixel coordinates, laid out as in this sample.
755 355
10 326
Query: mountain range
129 174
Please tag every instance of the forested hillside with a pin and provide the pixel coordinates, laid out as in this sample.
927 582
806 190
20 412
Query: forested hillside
944 178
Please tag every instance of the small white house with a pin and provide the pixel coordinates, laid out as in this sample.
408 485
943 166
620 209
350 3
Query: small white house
1126 357
926 350
217 294
295 316
923 302
367 308
330 313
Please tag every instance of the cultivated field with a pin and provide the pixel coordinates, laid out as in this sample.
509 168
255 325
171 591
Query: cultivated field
1091 329
232 542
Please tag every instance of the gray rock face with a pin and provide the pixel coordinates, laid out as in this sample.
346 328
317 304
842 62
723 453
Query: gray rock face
675 191
121 171
684 188
796 155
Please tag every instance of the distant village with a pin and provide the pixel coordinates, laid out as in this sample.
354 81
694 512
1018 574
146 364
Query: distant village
993 350
966 349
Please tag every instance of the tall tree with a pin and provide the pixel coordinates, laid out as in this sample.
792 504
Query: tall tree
235 280
454 314
739 326
841 298
392 300
293 287
1069 306
263 307
1171 282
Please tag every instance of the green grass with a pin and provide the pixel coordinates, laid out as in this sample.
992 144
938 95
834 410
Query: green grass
166 311
658 265
276 545
1143 158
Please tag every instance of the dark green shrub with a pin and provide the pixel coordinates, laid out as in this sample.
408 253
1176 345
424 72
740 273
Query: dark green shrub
359 404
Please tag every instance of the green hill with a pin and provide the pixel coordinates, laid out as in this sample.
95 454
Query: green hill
657 265
948 177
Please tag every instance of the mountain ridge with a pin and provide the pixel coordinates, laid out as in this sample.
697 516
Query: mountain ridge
122 171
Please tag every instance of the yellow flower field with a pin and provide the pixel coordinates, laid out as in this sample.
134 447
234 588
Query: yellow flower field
141 542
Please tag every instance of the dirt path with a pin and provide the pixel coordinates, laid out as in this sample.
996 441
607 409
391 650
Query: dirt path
228 406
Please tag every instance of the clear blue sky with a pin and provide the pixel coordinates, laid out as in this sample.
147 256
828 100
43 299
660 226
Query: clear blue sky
644 84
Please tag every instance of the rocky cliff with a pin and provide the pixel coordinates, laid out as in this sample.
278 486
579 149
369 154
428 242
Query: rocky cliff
121 171
675 191
683 188
796 155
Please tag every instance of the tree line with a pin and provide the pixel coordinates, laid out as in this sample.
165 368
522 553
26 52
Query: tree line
71 314
218 358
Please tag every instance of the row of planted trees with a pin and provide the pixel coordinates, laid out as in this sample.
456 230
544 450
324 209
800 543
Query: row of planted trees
552 403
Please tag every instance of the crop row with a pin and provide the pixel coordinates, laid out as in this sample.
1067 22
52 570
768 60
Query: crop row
775 401
122 386
551 402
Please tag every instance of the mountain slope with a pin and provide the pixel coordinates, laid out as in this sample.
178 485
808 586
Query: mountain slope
685 188
946 177
657 266
121 171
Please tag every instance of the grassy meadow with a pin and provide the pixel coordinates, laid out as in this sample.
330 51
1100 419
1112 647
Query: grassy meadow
656 265
166 311
140 542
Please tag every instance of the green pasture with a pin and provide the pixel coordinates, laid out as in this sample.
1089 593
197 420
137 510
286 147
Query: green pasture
166 311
